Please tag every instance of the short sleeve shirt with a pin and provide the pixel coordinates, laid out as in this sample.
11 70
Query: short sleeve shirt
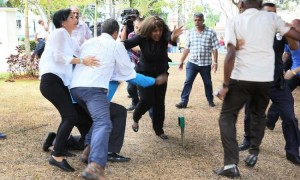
255 58
201 45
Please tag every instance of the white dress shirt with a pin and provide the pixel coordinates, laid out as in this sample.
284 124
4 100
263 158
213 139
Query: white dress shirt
255 59
41 32
114 63
80 34
58 53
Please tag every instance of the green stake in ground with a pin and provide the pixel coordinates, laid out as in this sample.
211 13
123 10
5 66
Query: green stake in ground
181 123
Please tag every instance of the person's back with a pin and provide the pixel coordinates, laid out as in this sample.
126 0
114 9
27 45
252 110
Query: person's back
103 47
256 29
248 73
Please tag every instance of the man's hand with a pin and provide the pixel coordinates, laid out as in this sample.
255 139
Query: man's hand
289 74
214 67
91 61
180 66
222 93
239 43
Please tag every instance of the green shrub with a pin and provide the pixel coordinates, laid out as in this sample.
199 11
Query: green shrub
32 45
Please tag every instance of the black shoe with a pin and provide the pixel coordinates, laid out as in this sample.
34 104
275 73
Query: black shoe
115 157
230 173
245 145
75 143
251 160
135 129
131 107
293 159
211 104
64 165
163 136
181 105
2 136
49 141
270 126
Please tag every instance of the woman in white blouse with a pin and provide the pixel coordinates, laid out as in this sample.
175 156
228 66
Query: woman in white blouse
56 66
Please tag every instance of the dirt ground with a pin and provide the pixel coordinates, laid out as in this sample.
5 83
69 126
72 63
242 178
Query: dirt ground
26 117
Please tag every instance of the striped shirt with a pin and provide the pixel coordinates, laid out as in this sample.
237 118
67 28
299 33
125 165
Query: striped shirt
201 45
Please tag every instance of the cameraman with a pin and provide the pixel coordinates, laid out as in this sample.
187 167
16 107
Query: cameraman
129 16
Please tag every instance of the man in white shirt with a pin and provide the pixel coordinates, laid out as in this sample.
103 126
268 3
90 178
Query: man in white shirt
248 72
82 32
40 38
89 88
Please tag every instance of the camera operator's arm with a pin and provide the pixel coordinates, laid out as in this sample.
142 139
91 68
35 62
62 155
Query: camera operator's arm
124 33
132 42
136 49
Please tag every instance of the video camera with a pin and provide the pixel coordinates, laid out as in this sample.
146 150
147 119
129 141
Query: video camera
128 16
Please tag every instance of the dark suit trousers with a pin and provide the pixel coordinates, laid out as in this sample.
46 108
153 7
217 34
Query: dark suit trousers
238 94
118 115
283 102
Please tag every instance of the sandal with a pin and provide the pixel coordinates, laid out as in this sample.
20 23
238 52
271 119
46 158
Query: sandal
93 172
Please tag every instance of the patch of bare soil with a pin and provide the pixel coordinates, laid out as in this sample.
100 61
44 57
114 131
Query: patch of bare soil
26 117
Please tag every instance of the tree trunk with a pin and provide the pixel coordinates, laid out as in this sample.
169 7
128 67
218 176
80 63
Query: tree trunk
113 15
48 13
26 41
95 18
180 15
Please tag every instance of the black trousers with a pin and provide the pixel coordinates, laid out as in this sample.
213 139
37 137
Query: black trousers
118 115
133 92
53 89
238 94
283 102
153 96
273 114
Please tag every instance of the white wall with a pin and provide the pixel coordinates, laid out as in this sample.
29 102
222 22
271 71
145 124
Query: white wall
8 35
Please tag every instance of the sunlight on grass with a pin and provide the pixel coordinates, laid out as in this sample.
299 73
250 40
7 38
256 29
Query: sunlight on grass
4 75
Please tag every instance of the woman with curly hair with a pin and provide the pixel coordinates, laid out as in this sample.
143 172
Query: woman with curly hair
152 38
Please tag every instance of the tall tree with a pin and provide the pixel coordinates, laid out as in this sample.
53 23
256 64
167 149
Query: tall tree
27 45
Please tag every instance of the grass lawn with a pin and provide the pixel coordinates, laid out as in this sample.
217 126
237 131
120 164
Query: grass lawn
4 75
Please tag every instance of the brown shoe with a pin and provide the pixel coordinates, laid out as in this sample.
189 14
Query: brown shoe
93 172
85 154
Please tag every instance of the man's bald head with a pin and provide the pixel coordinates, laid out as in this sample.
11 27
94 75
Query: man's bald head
246 4
75 12
296 24
74 8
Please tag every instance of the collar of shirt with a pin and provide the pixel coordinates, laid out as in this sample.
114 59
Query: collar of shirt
106 36
250 11
205 28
